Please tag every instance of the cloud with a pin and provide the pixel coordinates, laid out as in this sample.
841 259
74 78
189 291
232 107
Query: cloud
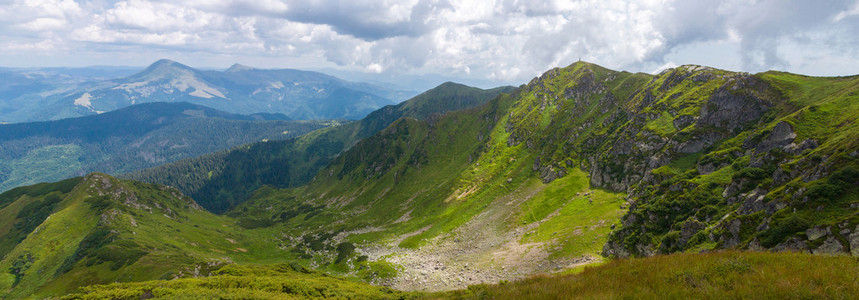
503 40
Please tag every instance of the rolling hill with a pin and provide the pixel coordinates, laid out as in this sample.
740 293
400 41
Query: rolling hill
130 139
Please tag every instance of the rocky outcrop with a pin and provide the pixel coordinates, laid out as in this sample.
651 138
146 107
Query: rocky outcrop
781 136
736 103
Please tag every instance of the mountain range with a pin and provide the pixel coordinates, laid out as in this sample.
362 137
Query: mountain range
130 139
459 187
301 95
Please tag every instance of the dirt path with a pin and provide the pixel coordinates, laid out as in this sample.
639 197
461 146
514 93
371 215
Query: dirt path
482 250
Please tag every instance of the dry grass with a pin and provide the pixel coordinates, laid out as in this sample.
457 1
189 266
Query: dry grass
722 275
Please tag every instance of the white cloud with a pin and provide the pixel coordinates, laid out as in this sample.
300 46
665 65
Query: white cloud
503 40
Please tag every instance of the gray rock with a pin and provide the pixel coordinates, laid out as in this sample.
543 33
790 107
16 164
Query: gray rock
730 111
817 232
754 202
798 149
682 121
733 239
793 244
690 228
782 135
830 246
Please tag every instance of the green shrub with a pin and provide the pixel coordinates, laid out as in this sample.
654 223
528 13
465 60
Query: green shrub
344 251
252 223
782 229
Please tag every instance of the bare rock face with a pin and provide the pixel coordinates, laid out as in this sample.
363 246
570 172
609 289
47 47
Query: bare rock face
782 135
730 109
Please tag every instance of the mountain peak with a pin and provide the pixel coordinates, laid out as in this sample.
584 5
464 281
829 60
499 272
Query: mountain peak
165 64
239 68
163 68
449 84
164 61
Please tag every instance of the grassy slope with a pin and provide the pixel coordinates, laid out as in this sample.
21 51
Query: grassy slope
721 275
246 282
136 232
681 276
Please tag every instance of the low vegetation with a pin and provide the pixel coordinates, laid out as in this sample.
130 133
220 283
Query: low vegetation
732 275
722 275
281 281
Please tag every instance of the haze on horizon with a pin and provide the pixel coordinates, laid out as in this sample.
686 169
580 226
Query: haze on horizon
502 41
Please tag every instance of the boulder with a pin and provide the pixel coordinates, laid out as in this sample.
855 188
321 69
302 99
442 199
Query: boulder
782 135
817 232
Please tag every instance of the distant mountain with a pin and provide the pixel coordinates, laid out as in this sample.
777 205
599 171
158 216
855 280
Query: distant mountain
301 95
130 139
25 93
222 180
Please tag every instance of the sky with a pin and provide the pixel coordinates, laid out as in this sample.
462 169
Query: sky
503 41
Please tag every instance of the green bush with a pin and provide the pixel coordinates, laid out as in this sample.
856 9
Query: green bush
782 229
344 251
251 223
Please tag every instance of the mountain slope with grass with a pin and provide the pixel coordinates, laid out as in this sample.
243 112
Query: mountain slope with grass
131 139
722 275
223 180
584 162
97 229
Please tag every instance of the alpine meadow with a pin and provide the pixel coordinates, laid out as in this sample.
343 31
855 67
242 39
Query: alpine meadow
716 177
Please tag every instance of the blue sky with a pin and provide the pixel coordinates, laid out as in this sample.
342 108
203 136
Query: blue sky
505 41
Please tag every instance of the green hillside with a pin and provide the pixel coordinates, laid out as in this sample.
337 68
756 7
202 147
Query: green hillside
223 180
536 181
97 229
